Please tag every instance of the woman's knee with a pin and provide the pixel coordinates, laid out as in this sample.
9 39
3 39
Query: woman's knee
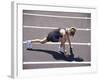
43 41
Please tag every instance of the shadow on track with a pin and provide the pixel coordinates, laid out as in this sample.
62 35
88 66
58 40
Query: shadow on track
59 56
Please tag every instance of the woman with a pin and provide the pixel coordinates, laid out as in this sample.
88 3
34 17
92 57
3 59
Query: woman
58 35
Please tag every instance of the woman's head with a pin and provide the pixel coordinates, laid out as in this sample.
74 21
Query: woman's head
72 31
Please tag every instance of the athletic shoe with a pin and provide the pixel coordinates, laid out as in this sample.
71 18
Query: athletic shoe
60 49
29 44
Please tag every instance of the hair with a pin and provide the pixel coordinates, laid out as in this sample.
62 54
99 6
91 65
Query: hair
72 31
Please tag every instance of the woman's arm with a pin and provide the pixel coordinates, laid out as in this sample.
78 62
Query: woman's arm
71 51
68 38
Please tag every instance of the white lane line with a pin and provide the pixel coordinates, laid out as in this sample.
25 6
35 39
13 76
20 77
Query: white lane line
55 16
38 27
54 62
24 42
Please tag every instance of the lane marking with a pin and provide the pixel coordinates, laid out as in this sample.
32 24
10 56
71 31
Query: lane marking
42 27
54 16
61 62
24 42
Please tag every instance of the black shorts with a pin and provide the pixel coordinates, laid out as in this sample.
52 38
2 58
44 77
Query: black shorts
53 37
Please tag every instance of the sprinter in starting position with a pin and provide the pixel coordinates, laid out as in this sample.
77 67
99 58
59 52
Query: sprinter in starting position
58 35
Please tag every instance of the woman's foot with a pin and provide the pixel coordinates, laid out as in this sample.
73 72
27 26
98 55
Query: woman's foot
60 49
29 44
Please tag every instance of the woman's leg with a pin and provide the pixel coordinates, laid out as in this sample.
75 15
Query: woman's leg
44 40
29 42
62 45
62 40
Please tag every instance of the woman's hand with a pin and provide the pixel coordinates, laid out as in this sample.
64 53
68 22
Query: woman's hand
71 52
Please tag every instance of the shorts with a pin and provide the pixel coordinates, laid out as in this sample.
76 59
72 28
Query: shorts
53 37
